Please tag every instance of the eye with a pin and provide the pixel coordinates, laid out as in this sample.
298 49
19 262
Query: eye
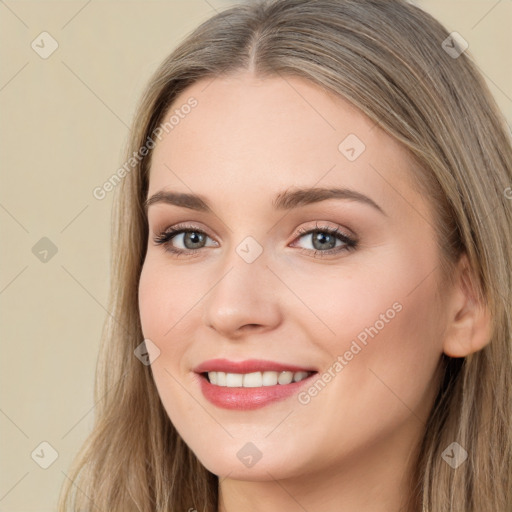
189 237
325 240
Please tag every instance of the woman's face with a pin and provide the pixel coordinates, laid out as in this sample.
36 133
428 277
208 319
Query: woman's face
271 281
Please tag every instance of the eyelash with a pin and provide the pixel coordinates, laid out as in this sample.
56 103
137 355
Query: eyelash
166 236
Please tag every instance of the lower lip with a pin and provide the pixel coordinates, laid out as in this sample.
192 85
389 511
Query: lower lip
244 399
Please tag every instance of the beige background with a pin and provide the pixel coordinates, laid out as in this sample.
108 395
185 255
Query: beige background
63 126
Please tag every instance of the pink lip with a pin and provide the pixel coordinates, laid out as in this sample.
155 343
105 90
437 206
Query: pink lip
247 366
244 399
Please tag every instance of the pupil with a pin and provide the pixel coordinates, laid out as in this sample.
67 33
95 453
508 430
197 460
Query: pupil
194 238
325 240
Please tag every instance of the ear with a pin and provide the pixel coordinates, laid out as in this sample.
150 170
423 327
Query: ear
469 321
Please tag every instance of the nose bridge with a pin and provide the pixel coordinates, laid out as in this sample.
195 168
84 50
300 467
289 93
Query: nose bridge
243 294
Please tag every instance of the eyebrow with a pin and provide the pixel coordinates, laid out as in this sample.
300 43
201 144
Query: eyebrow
287 200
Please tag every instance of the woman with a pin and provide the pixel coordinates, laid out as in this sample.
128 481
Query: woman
313 237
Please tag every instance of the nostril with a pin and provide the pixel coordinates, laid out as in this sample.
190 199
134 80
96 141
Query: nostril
251 326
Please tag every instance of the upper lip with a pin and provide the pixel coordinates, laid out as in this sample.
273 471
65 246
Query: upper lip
248 366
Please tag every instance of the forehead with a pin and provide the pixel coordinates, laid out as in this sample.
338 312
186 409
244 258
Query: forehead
266 134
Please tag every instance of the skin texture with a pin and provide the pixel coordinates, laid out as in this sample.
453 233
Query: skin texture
351 447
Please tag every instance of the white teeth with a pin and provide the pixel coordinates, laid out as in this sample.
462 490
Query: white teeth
252 380
234 380
297 376
255 379
285 377
269 378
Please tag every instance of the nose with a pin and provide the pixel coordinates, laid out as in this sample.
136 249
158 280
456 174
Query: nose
243 300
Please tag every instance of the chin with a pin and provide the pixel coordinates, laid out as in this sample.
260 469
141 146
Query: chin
246 460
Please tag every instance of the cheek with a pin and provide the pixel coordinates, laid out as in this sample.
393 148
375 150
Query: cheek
166 294
164 300
389 337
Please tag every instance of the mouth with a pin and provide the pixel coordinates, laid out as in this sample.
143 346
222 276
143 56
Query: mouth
250 384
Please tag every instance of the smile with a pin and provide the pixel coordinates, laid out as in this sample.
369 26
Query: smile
255 379
250 384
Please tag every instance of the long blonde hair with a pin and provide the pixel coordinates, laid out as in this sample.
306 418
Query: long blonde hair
389 60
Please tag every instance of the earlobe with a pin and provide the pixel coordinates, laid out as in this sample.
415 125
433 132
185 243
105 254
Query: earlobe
469 319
